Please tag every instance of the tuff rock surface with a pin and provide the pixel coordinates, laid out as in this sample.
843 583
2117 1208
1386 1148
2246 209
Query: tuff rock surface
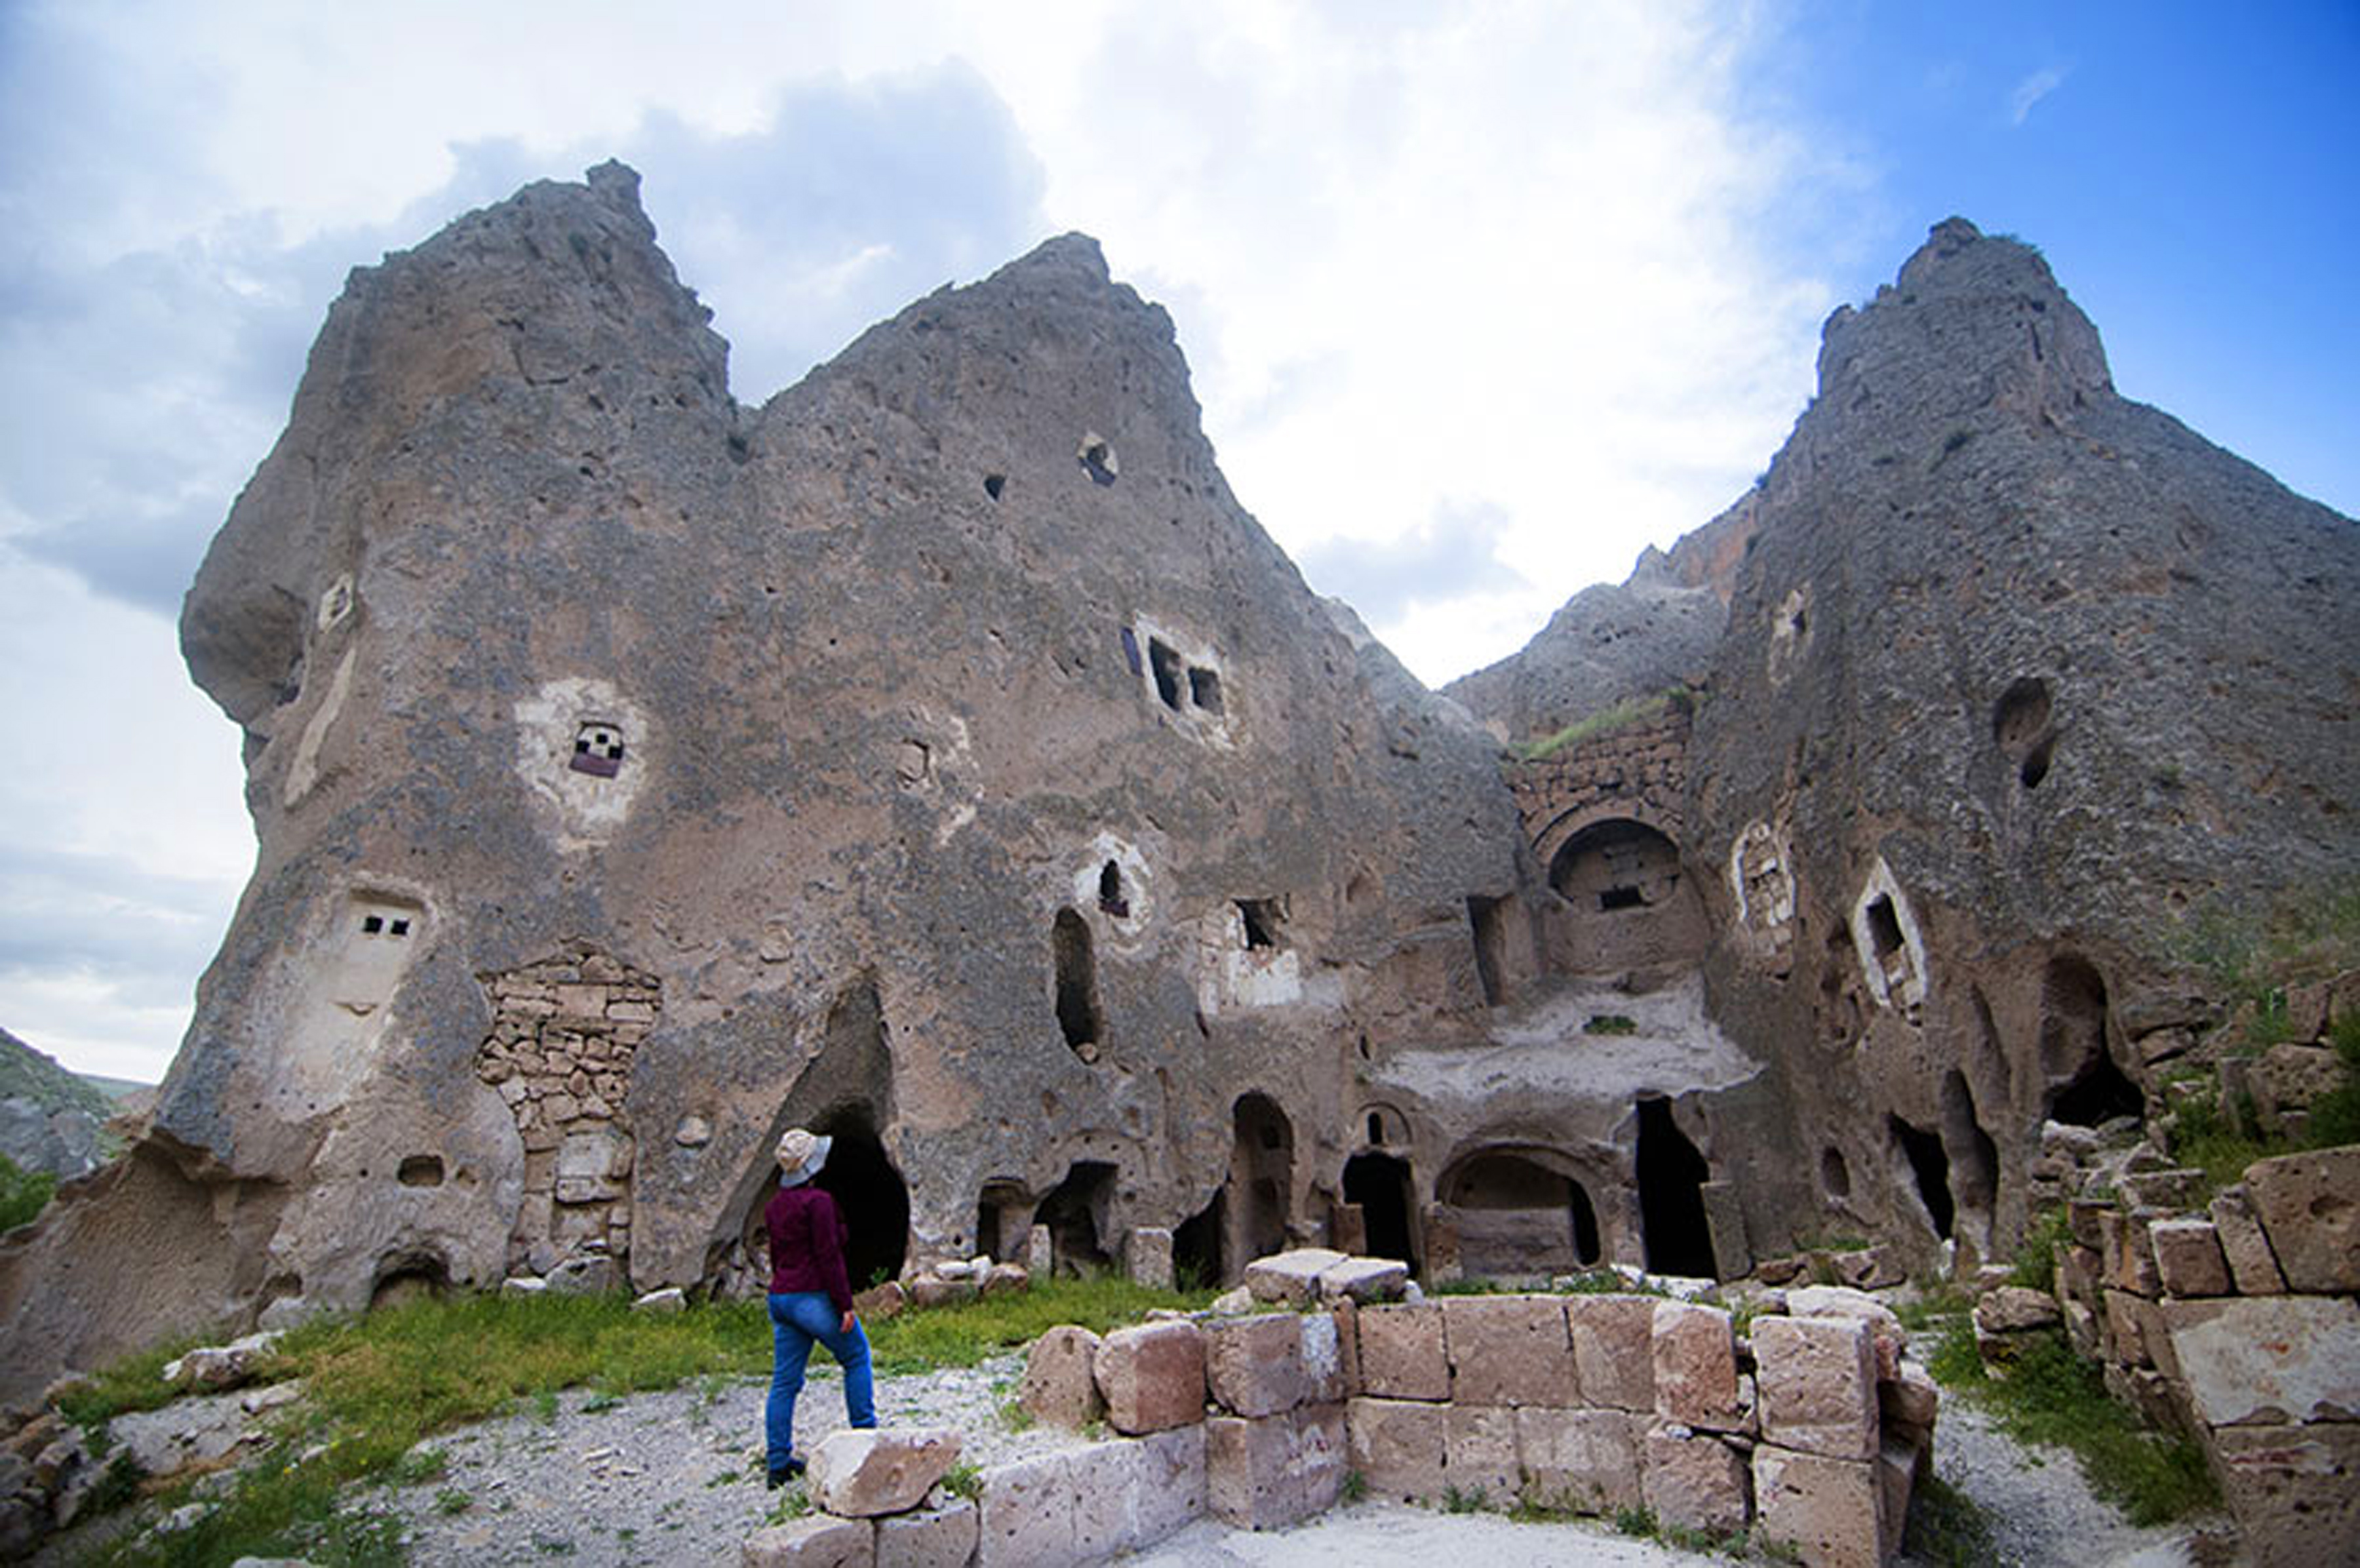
940 755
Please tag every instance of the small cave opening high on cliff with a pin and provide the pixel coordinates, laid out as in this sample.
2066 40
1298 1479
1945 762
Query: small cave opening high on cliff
1677 1235
869 1194
1380 1185
1076 1211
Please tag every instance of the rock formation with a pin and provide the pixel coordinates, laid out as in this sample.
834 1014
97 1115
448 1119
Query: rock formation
50 1119
940 755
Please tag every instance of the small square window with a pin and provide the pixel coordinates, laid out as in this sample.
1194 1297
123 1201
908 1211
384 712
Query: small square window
372 924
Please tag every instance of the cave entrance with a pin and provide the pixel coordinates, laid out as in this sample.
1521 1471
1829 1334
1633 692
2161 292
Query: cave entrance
1262 1178
1622 904
1196 1246
1379 1184
869 1195
1076 1213
1677 1235
2086 1088
1003 1222
1516 1214
1974 1163
1930 1168
1077 983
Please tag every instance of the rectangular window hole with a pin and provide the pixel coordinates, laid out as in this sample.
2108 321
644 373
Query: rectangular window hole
1168 670
1884 927
1205 687
1621 899
1263 918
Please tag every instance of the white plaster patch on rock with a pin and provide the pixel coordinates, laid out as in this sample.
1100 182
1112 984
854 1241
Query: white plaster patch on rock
586 809
1761 882
336 603
1892 950
305 771
1234 973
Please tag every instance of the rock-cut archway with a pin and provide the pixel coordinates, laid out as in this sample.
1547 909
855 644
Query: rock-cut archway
1624 905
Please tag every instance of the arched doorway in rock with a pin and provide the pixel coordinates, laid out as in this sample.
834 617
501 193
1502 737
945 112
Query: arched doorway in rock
1677 1233
1076 1212
1623 905
2085 1087
1003 1221
1196 1257
1261 1179
1519 1211
1379 1183
870 1195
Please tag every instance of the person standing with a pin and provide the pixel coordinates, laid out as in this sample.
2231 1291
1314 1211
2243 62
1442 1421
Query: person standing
810 1299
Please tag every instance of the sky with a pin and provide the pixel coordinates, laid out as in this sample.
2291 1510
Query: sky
1480 300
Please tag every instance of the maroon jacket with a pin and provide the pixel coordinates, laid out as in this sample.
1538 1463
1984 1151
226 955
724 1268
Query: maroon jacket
807 1239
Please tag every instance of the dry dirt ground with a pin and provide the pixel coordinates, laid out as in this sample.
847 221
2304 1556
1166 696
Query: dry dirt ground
674 1477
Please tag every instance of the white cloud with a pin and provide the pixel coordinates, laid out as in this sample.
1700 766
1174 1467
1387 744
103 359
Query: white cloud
2031 90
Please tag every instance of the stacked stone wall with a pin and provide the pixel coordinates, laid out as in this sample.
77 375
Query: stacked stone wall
1809 1432
563 1036
1638 771
2232 1318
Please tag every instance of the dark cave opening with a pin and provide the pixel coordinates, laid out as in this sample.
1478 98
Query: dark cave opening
1931 1168
1379 1184
1677 1235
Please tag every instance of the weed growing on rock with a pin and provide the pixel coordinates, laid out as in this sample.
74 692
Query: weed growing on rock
1946 1527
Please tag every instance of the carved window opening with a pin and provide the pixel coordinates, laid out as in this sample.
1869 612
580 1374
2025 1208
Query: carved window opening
1263 920
1170 670
2021 727
1621 897
1835 1174
1205 687
597 750
1376 1127
1111 898
1078 990
1098 459
1884 931
1677 1234
421 1171
993 483
1131 649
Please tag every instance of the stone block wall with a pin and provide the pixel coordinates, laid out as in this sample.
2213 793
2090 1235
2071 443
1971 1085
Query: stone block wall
1810 1431
563 1035
2233 1320
1645 763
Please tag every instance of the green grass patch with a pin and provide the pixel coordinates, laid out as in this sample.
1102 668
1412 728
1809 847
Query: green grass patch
1611 1023
2035 1265
23 1194
377 1386
2053 1398
1947 1528
1621 715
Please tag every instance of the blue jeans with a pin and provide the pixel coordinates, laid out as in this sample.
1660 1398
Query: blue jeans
798 1318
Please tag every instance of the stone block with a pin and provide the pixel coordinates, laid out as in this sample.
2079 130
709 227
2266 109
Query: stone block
2295 1491
1724 1214
2172 1189
1910 1404
1818 1383
1828 1511
1152 1377
1060 1384
1867 1267
1365 1279
881 1302
2268 1360
1479 1453
860 1473
1106 1480
1040 1251
1275 1471
1694 1354
1694 1480
2188 1257
2125 1331
1586 1461
1253 1366
2310 1206
1401 1352
941 1536
1170 1482
2013 1309
1027 1513
2252 1265
1331 1369
1399 1446
670 1298
815 1540
1508 1350
1613 1350
1290 1279
1900 1465
1147 1255
2129 1262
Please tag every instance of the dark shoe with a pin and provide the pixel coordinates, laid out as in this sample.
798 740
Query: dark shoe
784 1473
